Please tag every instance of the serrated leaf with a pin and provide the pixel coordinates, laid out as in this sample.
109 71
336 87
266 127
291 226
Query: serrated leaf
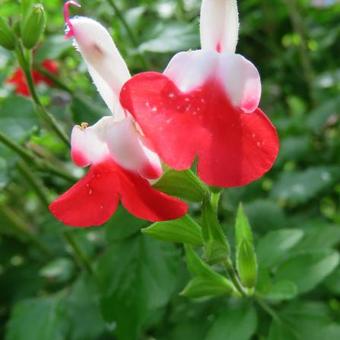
184 230
274 246
145 276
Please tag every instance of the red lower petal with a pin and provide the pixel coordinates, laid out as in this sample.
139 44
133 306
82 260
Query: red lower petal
92 200
234 148
141 200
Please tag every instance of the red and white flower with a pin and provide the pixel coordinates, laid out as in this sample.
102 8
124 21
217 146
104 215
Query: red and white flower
205 105
120 159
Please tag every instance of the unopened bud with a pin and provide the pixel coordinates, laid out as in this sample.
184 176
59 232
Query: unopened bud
33 26
7 37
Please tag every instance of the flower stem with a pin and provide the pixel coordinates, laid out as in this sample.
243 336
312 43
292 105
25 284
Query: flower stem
22 228
25 64
270 311
31 159
34 182
78 252
229 267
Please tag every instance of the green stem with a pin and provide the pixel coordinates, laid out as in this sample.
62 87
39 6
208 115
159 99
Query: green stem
22 228
129 32
270 311
25 64
28 157
229 267
35 183
78 252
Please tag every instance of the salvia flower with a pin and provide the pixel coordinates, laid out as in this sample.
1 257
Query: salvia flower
18 80
205 105
121 162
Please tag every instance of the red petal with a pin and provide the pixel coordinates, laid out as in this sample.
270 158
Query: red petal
92 200
234 148
141 200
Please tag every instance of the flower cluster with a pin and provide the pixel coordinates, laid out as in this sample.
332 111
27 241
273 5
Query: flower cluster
204 105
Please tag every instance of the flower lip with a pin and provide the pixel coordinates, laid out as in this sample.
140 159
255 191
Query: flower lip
70 32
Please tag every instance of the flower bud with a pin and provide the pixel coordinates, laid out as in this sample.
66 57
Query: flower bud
7 37
246 261
33 26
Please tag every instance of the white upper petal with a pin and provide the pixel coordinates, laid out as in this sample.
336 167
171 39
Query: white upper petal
237 75
191 69
241 81
219 25
105 64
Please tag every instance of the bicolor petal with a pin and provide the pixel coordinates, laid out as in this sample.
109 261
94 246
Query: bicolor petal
219 25
233 147
93 200
128 149
88 144
105 64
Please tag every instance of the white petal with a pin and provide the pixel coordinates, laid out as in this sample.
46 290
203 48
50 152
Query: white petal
219 25
241 80
238 76
189 70
129 151
87 144
105 64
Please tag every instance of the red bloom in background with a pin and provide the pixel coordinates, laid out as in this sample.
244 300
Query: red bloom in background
121 162
19 81
205 105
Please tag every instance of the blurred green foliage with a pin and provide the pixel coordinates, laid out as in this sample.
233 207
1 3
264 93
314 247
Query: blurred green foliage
129 288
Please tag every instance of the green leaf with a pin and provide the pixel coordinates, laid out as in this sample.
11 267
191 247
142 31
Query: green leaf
184 230
206 282
246 262
182 184
17 117
52 48
207 287
320 236
82 310
282 290
298 187
136 275
275 245
236 322
242 228
265 215
37 319
307 270
123 225
332 282
304 320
